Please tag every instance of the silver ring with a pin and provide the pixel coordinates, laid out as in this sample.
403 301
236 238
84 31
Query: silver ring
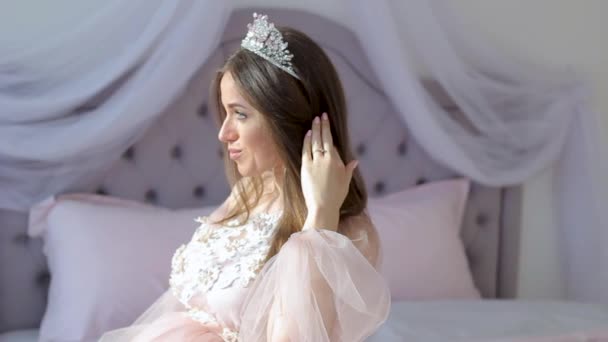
320 150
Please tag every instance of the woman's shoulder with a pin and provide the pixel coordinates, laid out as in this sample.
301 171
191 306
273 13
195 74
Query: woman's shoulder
223 209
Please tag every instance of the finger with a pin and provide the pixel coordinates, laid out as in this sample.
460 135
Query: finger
306 147
317 145
326 133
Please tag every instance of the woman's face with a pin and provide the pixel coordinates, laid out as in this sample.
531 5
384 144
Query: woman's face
245 132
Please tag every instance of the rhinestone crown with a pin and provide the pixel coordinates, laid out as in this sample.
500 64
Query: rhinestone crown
266 41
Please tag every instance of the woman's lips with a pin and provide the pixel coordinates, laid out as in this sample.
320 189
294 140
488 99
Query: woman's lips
234 154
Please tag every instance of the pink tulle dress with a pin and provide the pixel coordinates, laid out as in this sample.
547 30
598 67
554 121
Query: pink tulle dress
321 286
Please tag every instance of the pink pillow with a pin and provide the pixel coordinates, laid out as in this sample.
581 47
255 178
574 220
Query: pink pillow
419 228
109 259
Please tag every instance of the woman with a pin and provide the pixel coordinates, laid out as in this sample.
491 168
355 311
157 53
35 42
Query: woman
291 254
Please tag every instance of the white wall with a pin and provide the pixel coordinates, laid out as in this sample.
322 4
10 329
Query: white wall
553 32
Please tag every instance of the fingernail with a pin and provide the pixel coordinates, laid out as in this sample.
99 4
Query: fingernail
308 133
316 119
356 164
324 116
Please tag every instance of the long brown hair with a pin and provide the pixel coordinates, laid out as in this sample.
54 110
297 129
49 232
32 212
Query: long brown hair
289 105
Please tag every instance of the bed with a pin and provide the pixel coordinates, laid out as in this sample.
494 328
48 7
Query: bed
177 164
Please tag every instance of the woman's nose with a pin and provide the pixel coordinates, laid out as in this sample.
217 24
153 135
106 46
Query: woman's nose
227 133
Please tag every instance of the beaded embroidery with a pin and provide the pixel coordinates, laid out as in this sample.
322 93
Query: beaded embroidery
219 257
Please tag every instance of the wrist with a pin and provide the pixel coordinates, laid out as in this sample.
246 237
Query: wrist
322 219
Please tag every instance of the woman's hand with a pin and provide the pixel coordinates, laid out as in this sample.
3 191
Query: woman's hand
325 179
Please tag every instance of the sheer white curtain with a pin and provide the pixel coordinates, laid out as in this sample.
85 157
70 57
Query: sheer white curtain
60 123
524 118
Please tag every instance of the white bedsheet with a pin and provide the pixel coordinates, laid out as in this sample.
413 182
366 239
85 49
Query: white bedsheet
486 320
490 320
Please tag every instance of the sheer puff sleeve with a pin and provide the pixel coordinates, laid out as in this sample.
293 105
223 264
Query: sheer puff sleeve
321 286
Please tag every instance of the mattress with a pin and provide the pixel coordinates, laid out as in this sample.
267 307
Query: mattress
478 320
494 320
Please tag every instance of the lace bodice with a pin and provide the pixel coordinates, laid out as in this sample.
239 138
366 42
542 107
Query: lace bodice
220 257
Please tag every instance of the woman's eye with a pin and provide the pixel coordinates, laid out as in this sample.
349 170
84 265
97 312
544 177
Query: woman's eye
240 115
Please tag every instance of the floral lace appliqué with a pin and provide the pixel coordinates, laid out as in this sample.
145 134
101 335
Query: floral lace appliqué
219 257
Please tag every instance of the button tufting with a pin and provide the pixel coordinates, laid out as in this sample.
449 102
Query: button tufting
199 191
202 110
176 152
379 187
361 149
129 153
22 239
101 191
481 219
402 148
421 181
43 278
151 196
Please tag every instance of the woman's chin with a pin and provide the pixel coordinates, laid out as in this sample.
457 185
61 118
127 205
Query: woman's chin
244 172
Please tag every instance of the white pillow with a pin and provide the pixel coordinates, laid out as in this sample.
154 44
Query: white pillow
419 230
109 260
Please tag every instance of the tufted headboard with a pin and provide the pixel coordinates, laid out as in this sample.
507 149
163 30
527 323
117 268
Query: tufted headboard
177 163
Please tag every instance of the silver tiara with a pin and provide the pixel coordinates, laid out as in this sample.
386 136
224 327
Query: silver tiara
266 41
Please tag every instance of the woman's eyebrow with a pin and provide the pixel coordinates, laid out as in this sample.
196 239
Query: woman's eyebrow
235 104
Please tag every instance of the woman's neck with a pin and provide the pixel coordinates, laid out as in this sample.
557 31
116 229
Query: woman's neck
270 201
